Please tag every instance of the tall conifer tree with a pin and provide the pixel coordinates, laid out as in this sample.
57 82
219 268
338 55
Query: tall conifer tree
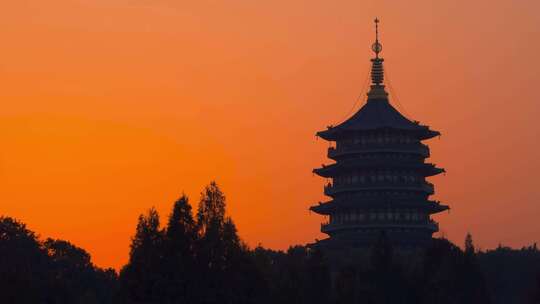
142 280
179 253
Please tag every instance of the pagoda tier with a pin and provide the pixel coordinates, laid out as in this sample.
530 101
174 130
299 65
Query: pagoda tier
383 163
344 151
335 206
378 181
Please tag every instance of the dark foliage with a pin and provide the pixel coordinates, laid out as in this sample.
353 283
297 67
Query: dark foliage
451 275
51 271
192 260
535 294
511 274
200 259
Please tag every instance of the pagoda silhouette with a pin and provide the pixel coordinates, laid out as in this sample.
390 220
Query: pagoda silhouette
378 181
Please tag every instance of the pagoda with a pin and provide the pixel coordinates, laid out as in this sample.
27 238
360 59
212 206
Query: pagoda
378 180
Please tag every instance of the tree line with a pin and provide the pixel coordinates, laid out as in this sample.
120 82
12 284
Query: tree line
197 257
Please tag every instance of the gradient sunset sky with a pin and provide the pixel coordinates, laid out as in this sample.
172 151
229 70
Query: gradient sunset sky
110 107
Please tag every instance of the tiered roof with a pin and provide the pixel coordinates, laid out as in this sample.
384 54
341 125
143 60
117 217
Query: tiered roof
377 114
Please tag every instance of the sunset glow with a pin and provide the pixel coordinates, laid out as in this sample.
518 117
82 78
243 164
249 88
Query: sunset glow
112 107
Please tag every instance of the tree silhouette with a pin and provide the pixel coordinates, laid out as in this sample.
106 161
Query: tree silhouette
535 296
211 211
229 273
141 279
510 273
318 276
53 271
23 264
473 284
76 279
469 245
179 254
451 275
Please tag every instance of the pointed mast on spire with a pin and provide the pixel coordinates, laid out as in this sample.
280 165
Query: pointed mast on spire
376 47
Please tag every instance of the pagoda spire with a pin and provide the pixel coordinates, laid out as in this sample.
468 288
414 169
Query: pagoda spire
377 72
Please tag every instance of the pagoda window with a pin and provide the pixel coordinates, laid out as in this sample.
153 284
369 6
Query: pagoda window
380 216
361 216
372 216
353 216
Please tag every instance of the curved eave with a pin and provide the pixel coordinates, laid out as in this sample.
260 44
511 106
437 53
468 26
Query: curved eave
430 134
331 170
328 207
336 133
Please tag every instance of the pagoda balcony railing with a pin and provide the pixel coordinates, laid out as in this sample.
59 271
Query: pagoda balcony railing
417 148
423 186
331 227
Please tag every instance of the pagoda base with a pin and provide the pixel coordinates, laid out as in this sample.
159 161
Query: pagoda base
399 238
344 252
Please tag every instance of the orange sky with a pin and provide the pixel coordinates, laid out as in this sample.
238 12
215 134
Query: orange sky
110 107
